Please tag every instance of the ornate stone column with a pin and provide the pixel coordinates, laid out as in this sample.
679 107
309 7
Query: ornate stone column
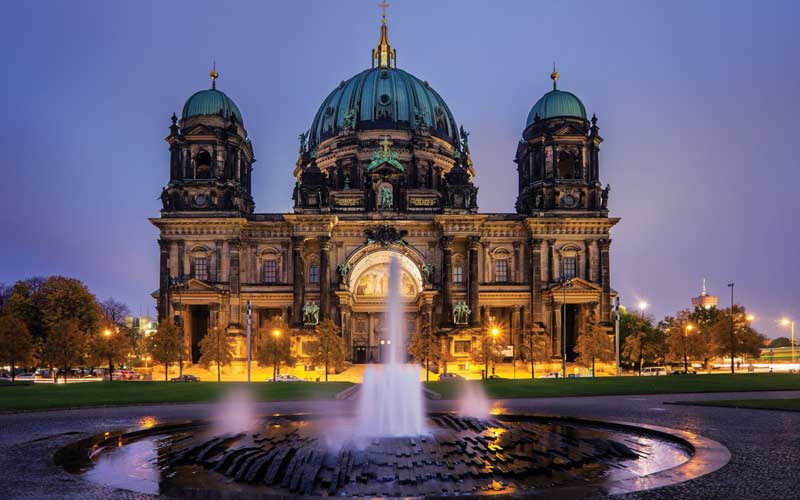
181 272
551 250
324 276
234 277
163 281
298 280
537 309
474 245
447 261
605 280
587 260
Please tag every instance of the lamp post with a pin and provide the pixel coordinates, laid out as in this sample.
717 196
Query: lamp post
495 333
733 338
790 323
277 334
107 335
178 285
249 337
688 328
642 306
565 283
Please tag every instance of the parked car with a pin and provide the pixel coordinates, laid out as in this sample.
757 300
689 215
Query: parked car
185 378
285 378
654 371
551 375
125 375
450 376
681 371
26 377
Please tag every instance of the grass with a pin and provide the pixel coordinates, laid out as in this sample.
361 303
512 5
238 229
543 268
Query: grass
608 386
88 394
756 404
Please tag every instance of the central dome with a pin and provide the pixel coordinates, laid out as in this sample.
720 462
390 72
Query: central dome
383 98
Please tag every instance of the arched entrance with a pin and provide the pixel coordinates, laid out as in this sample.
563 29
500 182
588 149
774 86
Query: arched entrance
366 294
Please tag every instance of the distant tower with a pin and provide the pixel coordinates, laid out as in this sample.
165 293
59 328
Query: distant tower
705 300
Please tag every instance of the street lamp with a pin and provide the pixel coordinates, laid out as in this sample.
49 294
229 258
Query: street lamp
565 283
790 323
275 333
107 335
688 328
495 332
642 306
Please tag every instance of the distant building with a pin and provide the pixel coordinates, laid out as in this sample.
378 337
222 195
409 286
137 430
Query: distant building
705 300
144 325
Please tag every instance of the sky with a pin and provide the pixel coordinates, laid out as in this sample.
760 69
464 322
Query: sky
697 102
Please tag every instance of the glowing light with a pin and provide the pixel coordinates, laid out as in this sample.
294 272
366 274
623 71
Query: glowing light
147 422
495 331
786 321
643 305
750 317
689 327
276 332
107 332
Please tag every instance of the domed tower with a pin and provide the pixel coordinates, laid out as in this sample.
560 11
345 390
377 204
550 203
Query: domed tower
384 141
557 159
211 158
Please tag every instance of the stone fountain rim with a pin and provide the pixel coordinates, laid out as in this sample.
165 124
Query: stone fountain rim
706 455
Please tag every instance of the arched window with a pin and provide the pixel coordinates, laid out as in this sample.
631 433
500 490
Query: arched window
269 271
458 270
200 268
566 165
569 262
501 261
202 165
501 270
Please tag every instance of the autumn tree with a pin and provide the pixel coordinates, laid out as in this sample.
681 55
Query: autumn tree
594 344
780 342
327 348
684 340
536 346
732 335
276 347
16 343
217 348
65 346
64 299
425 348
21 302
165 345
485 349
109 345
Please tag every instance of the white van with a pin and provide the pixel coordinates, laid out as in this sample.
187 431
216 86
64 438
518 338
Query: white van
654 371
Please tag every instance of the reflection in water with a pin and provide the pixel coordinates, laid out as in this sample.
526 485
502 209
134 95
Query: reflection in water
130 467
147 422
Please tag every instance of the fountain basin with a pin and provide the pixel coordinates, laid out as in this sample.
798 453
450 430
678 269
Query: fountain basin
515 455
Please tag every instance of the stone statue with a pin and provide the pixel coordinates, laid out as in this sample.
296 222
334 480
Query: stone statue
303 137
166 201
349 121
386 235
385 198
419 119
604 196
427 271
461 312
343 269
310 314
538 204
464 138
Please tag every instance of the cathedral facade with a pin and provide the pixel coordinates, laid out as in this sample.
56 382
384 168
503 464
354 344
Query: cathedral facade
385 172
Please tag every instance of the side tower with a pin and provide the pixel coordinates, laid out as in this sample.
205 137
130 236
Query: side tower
211 158
566 213
558 159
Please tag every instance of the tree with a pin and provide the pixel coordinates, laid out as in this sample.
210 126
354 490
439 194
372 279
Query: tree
21 303
216 347
425 348
684 339
328 346
485 349
276 347
16 343
594 344
745 339
65 346
536 346
780 342
109 345
61 299
165 345
115 311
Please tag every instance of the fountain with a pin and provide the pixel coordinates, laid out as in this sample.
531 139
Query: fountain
391 395
390 448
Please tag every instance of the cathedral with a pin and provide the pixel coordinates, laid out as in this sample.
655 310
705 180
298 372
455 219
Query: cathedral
385 172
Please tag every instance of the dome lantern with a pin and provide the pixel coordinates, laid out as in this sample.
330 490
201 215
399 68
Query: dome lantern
384 55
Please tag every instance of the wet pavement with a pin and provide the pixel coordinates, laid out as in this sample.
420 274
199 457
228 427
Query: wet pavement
765 445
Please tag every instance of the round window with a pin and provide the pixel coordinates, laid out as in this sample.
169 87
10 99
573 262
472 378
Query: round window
385 99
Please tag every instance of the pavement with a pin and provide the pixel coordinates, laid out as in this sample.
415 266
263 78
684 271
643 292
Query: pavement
765 445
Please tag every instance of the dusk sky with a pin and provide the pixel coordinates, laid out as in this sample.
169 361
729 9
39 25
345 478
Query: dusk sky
697 101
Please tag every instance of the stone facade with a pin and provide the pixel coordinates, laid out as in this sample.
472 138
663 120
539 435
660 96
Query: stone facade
371 187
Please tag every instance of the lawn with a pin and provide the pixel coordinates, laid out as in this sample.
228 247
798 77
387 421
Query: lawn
756 404
48 396
607 386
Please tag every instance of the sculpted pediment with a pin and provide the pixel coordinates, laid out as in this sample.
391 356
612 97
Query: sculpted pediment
577 285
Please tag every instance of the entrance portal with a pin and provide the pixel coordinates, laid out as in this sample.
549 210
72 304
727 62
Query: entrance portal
199 329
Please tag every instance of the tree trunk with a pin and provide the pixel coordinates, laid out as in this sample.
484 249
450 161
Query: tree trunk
533 359
219 375
13 375
427 369
326 369
166 372
685 364
592 367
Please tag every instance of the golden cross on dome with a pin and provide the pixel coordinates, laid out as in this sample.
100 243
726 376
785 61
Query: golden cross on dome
386 143
383 5
214 75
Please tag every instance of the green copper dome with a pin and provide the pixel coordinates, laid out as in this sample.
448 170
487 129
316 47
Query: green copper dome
211 102
557 103
383 98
